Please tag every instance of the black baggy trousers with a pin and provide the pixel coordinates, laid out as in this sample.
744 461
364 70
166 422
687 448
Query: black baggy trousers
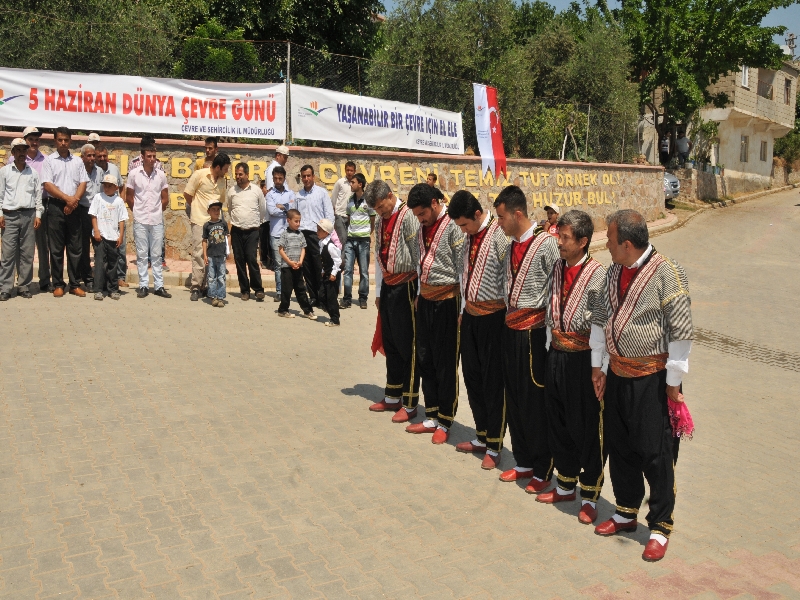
437 356
399 331
524 357
482 366
575 422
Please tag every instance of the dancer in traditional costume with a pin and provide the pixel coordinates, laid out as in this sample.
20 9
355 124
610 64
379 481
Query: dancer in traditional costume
529 264
397 260
441 246
648 336
483 285
573 388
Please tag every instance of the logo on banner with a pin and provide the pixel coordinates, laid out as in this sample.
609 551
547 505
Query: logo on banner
8 99
314 108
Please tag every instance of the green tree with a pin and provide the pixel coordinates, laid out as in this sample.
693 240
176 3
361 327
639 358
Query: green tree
214 54
681 47
89 36
788 147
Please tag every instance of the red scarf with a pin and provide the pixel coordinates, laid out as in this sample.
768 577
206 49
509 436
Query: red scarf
474 246
570 273
518 250
625 279
387 229
428 233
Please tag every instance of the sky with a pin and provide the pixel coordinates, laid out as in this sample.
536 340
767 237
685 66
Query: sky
789 17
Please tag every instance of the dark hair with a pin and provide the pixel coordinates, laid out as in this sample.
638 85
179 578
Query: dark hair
147 140
292 212
212 140
63 131
306 168
350 163
279 170
513 199
435 177
148 149
421 196
376 191
100 147
242 165
360 179
463 204
580 223
220 160
631 227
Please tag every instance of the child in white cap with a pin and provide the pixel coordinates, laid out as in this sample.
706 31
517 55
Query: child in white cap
331 258
108 215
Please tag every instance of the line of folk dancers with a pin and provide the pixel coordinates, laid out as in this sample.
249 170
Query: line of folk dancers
536 322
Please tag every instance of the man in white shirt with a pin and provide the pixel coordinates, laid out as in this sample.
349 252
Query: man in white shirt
246 212
64 178
340 196
20 215
36 160
314 204
147 194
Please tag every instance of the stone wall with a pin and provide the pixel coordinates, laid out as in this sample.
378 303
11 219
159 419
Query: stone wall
599 189
698 185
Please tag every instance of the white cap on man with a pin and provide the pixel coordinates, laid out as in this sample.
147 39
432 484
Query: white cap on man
18 142
93 137
30 131
554 208
282 150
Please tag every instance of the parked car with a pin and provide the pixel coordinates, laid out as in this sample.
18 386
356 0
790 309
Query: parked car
672 186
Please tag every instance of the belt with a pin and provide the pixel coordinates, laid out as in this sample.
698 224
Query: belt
16 210
485 307
398 278
638 366
435 293
522 319
569 341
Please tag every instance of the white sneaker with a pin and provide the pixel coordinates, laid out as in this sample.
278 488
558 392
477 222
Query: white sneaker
114 296
311 316
98 296
331 324
286 315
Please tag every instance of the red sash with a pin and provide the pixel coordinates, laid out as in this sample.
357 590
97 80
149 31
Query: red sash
525 318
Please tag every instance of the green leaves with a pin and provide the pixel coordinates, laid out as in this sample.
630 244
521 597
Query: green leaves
214 54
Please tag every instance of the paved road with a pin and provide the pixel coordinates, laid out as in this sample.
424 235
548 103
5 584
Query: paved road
165 449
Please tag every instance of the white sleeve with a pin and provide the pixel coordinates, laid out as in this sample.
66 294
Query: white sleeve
549 332
336 256
678 361
378 280
597 342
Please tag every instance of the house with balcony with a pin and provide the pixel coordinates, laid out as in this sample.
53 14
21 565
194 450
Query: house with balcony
761 108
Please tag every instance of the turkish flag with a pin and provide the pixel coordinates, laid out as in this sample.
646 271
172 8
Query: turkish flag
488 129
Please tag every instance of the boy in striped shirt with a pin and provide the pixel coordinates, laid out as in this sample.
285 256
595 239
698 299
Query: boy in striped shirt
359 231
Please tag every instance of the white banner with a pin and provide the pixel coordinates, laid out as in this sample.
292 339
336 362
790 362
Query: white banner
122 103
324 115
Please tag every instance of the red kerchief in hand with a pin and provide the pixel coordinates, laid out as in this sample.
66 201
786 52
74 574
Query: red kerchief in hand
377 339
681 419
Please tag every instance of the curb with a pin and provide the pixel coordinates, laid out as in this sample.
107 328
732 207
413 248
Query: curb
753 196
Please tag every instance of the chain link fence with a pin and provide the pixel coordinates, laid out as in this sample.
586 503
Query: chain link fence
545 128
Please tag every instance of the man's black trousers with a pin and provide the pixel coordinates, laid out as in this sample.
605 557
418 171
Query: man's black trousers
244 243
437 356
575 422
482 366
640 442
524 357
399 329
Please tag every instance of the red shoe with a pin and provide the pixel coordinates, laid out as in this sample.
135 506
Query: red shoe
514 475
553 497
384 406
654 551
470 448
440 436
588 515
420 428
611 527
403 416
490 462
537 487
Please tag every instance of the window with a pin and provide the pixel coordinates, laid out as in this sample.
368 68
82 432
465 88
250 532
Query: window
745 76
763 154
787 91
743 151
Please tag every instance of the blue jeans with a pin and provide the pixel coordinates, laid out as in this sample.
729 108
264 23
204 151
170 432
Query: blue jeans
216 277
356 249
122 256
148 240
278 264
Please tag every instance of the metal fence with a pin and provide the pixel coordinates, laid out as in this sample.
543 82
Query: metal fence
548 128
